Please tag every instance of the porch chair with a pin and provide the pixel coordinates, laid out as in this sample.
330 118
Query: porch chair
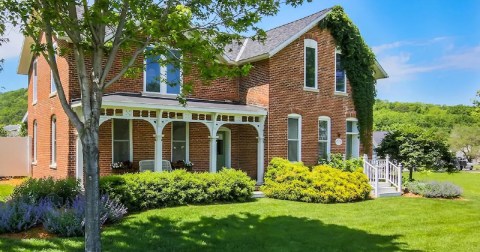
147 165
166 165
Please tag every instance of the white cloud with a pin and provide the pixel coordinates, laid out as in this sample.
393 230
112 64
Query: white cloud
12 48
385 47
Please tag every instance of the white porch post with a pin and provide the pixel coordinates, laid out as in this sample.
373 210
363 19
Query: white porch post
159 143
260 160
213 153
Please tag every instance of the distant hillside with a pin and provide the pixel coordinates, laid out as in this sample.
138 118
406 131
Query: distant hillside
441 118
13 106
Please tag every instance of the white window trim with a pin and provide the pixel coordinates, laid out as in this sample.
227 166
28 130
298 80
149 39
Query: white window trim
53 142
329 133
335 76
163 86
311 44
52 81
355 132
130 139
187 142
299 117
35 82
35 137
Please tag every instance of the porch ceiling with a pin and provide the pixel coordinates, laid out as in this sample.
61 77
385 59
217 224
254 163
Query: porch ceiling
171 103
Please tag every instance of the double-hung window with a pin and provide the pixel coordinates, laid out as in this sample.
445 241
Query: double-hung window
353 142
163 73
179 141
53 88
324 137
294 137
34 81
311 64
340 74
121 140
53 143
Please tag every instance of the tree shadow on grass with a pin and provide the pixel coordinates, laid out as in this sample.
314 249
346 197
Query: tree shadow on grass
236 232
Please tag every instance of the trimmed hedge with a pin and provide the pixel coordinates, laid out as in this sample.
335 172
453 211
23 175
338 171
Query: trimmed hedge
434 189
149 190
58 191
323 184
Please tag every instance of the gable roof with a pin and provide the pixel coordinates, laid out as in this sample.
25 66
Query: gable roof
378 137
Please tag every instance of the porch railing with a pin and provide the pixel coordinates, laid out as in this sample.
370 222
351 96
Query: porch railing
383 170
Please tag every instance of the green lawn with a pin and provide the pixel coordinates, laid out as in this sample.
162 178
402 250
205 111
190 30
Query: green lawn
5 190
386 224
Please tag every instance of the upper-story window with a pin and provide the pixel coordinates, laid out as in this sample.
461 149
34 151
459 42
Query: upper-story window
311 64
324 137
163 79
53 88
353 141
294 137
34 82
340 73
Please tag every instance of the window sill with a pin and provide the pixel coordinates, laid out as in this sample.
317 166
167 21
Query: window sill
34 163
52 94
340 93
53 166
155 94
309 89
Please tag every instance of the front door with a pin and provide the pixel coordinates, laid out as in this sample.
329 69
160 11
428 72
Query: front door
221 150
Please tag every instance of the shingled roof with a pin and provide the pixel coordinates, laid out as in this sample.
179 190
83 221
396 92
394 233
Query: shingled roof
250 49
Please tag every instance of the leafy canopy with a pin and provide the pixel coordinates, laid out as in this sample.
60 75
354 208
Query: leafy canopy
358 61
13 106
467 140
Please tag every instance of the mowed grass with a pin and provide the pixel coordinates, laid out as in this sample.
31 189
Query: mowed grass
5 191
385 224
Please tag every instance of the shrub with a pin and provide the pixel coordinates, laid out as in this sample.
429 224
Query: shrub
149 190
323 184
434 189
59 191
337 161
112 209
19 215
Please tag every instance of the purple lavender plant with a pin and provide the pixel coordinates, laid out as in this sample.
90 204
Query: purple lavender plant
112 209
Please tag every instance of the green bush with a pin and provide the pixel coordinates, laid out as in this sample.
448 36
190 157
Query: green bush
147 190
434 189
323 184
59 191
336 161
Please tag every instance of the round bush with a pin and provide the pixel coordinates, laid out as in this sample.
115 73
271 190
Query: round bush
434 189
322 184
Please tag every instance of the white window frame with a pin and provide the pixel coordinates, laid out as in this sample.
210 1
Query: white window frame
299 117
35 136
329 133
163 85
34 82
335 75
52 81
53 142
130 138
310 43
187 142
355 154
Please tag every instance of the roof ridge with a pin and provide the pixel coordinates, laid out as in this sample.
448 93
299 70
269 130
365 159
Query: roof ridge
327 9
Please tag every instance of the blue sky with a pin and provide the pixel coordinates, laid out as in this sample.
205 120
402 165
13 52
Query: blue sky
430 48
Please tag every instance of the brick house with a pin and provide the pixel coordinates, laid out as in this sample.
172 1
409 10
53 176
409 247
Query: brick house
295 103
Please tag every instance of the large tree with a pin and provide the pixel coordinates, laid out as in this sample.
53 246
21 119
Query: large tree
466 139
98 31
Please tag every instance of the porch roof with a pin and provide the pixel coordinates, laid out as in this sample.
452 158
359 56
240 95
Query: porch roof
171 103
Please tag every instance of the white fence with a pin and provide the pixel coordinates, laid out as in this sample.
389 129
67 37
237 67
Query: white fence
14 156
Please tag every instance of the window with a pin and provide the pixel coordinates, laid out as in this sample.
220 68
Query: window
353 142
53 152
121 140
294 137
179 141
35 141
163 79
34 81
324 137
53 88
311 64
340 74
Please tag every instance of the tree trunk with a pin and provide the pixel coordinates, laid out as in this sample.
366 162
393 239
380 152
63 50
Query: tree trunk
92 210
410 173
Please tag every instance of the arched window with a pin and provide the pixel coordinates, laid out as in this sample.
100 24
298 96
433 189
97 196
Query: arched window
311 64
294 137
34 81
53 88
324 137
340 73
53 152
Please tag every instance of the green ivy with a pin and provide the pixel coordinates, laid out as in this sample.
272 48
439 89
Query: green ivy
358 60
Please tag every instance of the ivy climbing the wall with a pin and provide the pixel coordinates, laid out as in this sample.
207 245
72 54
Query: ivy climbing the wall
358 60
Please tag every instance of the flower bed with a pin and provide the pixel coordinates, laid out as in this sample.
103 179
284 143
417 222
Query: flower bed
434 189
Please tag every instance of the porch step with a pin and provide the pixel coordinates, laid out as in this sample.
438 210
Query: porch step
258 194
391 194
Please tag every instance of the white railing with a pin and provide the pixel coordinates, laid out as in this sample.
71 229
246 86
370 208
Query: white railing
382 170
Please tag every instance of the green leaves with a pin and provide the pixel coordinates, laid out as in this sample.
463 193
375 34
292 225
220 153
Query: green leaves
358 61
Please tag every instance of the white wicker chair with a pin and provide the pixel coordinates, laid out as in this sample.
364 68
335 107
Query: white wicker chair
166 165
147 165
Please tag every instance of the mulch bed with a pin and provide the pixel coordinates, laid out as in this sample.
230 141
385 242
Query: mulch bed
36 232
412 195
11 181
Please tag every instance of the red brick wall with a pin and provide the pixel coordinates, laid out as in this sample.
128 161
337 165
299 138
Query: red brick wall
287 95
254 88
